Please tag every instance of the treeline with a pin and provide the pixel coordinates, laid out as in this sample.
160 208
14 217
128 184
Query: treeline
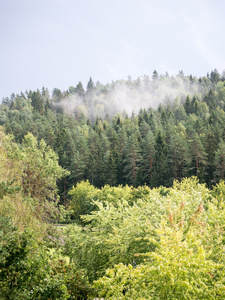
96 141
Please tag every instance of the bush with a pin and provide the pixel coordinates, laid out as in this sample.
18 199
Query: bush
27 271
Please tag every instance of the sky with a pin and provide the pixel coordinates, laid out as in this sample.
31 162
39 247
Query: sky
57 43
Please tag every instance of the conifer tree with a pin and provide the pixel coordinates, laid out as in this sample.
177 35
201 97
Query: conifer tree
148 148
160 173
220 161
37 102
132 159
79 89
198 155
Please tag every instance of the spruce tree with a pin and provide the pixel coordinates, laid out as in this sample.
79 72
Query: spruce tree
160 173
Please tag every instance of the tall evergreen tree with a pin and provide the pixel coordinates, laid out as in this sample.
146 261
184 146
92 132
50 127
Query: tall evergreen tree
37 102
220 161
160 173
79 89
109 172
90 85
187 105
179 152
211 145
198 155
148 148
132 160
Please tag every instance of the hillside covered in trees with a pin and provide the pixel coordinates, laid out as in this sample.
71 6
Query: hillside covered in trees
126 243
144 131
136 167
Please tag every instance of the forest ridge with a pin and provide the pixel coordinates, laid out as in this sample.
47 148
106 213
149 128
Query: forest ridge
174 127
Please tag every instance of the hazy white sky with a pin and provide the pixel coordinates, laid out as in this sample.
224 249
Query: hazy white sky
57 43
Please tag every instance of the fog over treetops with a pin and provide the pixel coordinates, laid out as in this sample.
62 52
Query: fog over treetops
150 130
126 96
131 95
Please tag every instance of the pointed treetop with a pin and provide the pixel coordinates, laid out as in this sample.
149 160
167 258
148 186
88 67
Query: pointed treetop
90 85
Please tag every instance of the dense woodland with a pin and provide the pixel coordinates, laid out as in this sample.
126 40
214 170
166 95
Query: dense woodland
137 167
97 140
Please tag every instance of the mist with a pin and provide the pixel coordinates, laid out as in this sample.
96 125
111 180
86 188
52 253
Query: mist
129 96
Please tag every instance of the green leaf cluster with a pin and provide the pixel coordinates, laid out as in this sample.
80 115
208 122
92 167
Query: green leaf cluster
27 270
164 244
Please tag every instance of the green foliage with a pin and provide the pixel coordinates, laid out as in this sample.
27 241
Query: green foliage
178 269
32 169
220 160
98 142
8 188
218 193
132 160
137 243
187 261
18 268
160 175
40 169
82 196
116 230
62 282
28 272
156 244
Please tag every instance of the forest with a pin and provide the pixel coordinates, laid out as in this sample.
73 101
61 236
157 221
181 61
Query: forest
114 191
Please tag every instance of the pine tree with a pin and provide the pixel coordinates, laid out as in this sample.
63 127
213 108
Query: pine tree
187 105
211 144
220 161
109 171
79 89
198 155
90 85
178 148
132 160
93 163
37 102
160 173
148 148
